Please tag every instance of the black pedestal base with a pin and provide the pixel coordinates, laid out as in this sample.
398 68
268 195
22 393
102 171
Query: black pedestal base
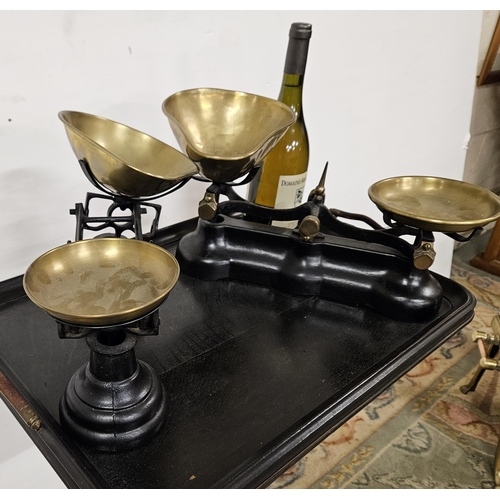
331 267
114 402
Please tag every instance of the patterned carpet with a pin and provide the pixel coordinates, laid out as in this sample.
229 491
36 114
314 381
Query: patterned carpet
422 432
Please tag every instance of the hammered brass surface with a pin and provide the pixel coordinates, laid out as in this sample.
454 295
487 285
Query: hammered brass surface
124 160
435 203
103 281
226 132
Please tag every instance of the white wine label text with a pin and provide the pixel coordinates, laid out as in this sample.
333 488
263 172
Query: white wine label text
290 190
289 195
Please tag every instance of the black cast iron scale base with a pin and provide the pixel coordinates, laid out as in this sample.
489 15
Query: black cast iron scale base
335 268
114 402
322 257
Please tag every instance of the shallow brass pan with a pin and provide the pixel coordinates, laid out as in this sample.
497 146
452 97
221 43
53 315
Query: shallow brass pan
103 281
435 203
124 160
226 132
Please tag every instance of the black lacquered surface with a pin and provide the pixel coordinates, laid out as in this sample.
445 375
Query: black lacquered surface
255 378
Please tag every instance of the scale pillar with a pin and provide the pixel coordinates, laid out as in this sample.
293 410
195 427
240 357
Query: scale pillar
114 402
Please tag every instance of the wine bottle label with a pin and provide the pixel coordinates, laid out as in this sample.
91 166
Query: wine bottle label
289 195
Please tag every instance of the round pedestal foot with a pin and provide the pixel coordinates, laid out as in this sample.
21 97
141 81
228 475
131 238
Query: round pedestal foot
114 402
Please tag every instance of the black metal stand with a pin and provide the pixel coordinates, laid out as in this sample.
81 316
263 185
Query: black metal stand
331 267
322 256
118 223
114 402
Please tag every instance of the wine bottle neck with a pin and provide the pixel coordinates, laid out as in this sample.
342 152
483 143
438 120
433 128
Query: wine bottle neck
296 52
291 92
295 67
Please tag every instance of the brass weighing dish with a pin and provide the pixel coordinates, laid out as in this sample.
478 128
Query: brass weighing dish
122 159
435 203
103 281
226 132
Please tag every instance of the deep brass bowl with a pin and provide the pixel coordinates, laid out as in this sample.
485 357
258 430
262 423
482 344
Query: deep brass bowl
104 281
124 160
224 131
435 203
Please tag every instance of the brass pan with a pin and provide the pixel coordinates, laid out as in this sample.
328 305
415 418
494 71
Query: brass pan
435 203
103 281
124 160
226 132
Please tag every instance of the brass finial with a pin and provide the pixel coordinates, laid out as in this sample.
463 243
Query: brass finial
319 190
323 178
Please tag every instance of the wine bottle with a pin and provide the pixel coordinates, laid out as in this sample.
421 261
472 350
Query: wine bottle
281 179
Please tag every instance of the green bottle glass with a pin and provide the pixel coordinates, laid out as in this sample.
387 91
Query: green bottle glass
281 179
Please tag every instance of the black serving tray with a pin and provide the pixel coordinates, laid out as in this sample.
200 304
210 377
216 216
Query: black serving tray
255 377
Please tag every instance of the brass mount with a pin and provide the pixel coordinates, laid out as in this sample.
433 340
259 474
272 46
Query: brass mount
424 255
488 337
